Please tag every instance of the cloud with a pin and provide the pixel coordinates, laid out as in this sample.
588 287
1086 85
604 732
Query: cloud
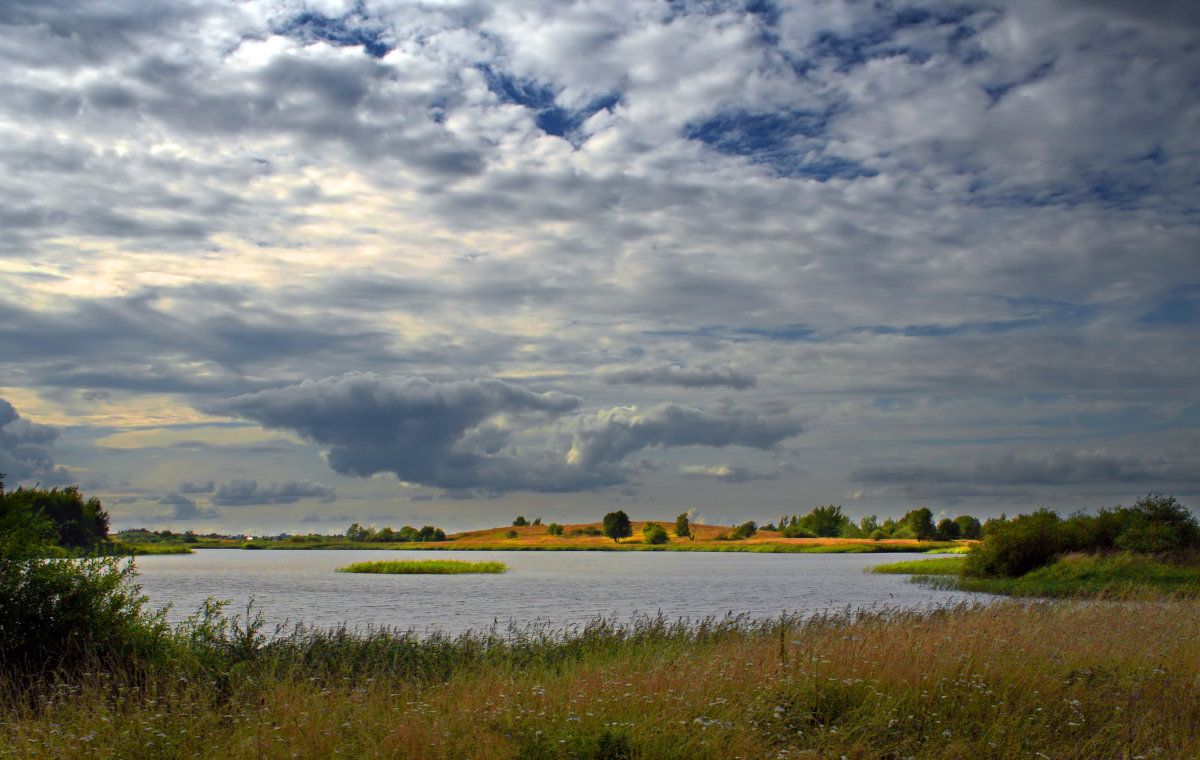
184 508
241 492
459 435
206 486
1044 468
701 377
608 437
25 448
726 474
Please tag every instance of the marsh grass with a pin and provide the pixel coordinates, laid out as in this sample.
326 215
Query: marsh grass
940 566
1010 680
424 567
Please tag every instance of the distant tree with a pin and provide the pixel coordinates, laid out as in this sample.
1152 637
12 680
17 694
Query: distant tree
385 534
357 532
968 527
919 523
554 529
683 526
825 522
617 525
520 522
536 521
511 534
869 524
947 530
653 533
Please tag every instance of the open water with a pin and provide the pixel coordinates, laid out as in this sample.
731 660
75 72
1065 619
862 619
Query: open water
559 589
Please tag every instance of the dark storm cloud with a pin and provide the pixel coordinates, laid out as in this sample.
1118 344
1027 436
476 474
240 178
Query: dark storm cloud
25 448
459 435
700 377
609 437
1045 468
241 492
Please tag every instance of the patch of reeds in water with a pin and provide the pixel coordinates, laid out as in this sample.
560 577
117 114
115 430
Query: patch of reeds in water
424 567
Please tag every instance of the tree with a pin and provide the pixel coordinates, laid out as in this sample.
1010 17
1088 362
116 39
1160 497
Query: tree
683 526
969 527
825 522
73 521
617 526
920 523
653 533
520 522
745 530
947 530
554 529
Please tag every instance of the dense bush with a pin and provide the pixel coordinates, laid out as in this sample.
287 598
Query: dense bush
1154 524
745 530
554 529
653 533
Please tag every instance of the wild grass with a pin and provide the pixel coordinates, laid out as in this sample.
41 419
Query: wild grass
941 566
424 567
1009 680
1122 574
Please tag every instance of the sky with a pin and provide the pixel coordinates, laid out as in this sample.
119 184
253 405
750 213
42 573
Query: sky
274 266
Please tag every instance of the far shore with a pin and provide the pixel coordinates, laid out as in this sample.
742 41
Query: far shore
576 537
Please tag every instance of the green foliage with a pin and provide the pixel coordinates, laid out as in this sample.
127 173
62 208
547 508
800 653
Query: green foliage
520 522
683 526
554 529
511 534
948 530
58 516
617 525
407 534
968 527
587 530
63 615
653 533
919 523
1155 524
745 530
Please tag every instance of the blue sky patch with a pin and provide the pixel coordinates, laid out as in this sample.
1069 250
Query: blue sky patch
551 118
354 28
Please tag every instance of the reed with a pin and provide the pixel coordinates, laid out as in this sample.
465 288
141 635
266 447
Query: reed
1107 679
424 567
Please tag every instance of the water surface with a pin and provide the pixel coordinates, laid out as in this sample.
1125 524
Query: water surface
555 588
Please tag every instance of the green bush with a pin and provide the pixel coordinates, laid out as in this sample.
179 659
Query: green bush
67 615
554 529
653 533
745 530
1020 545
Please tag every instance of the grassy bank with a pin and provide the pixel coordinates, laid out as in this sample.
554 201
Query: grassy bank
1074 575
1012 680
424 567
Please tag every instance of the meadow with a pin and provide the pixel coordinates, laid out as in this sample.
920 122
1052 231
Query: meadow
1010 680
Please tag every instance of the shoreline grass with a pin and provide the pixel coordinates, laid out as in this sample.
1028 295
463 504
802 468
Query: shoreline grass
1008 680
1122 574
424 567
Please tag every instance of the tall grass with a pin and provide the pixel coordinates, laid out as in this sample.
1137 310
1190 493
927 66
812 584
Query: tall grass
424 567
1010 680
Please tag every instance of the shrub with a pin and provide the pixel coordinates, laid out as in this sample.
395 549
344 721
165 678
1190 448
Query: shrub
1018 546
745 530
520 522
511 534
63 615
653 533
554 529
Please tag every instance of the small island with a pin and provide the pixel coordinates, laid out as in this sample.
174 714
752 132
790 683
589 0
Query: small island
424 567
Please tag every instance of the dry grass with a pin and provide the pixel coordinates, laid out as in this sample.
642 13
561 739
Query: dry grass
1114 679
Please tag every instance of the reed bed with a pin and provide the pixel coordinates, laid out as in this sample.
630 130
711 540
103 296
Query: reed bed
1102 679
424 567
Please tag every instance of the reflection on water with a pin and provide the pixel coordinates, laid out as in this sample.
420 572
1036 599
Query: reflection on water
555 588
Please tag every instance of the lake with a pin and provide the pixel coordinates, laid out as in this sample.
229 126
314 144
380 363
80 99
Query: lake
559 589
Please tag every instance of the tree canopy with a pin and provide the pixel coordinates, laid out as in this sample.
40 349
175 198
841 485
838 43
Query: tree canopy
617 525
